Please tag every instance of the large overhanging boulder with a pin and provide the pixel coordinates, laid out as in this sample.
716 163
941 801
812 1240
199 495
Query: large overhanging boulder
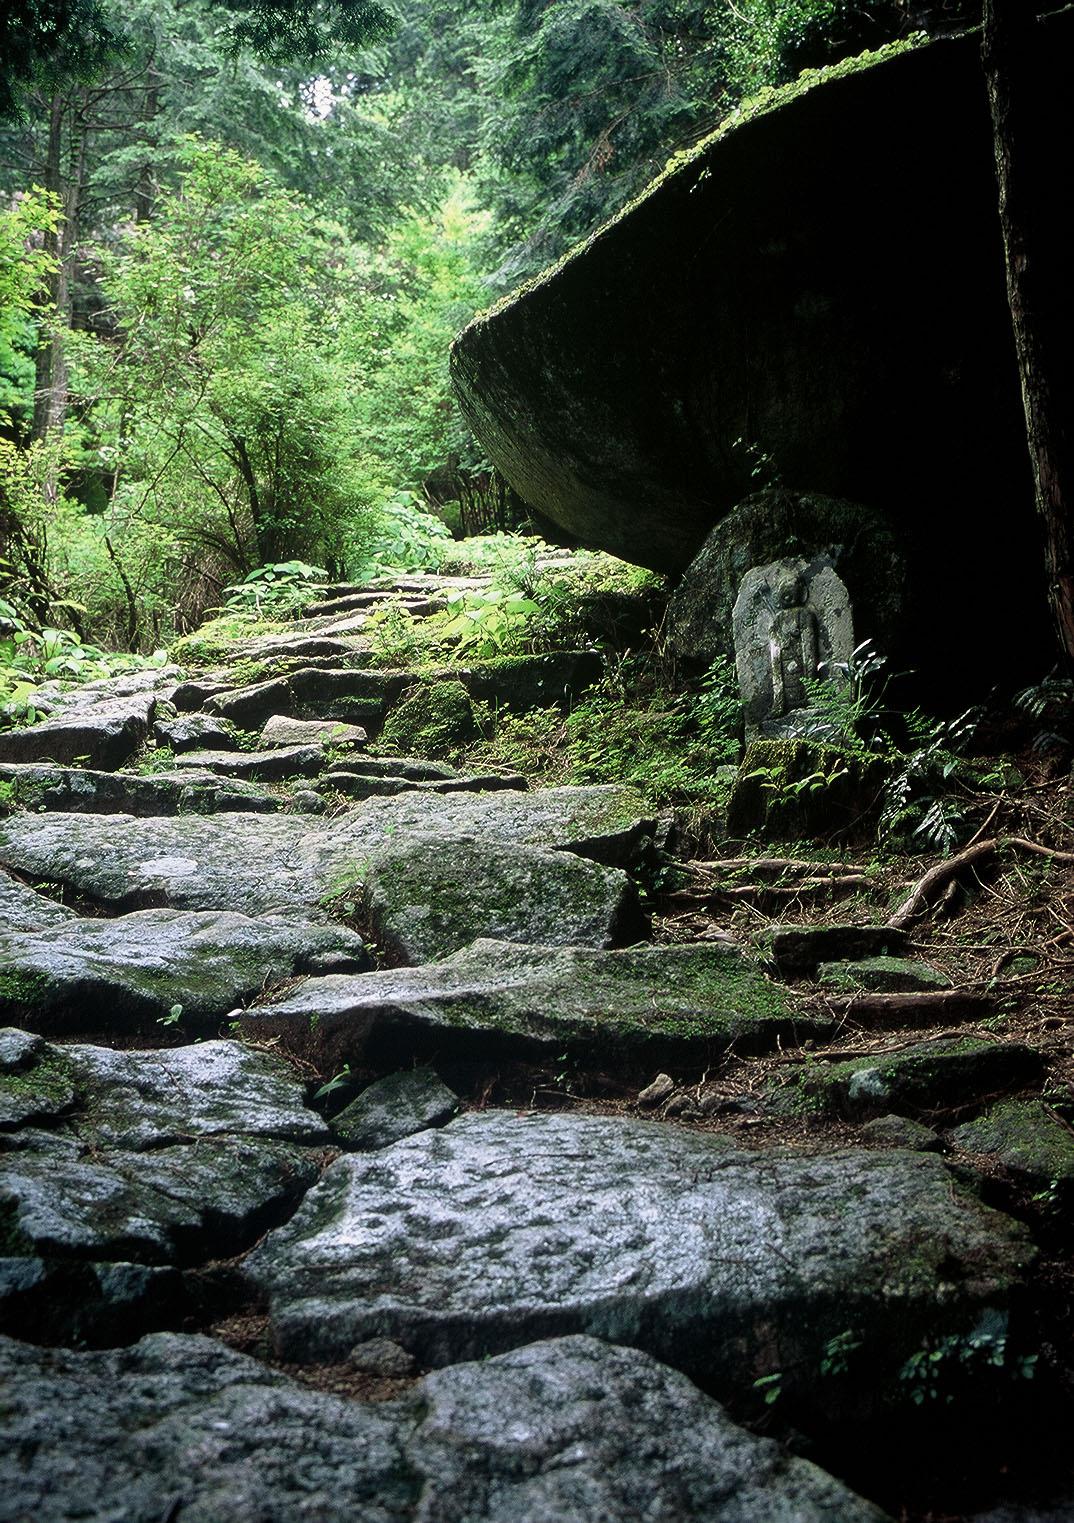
817 290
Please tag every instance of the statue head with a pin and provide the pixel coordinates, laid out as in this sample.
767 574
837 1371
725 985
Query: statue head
790 592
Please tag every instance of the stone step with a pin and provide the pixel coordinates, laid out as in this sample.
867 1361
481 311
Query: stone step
258 864
942 1073
498 1000
126 976
193 788
462 1242
257 766
567 1431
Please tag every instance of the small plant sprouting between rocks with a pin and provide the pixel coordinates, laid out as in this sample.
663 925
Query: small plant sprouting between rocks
940 1372
338 1081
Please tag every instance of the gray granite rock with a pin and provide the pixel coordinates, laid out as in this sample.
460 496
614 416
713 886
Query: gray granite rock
498 998
395 1107
88 1304
123 975
499 1228
22 908
258 864
280 730
151 1157
414 768
74 790
195 732
566 1431
103 730
258 766
248 707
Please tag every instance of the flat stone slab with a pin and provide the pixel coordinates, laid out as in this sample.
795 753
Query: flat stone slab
565 1431
500 1228
124 975
74 790
496 998
153 1157
195 732
260 864
258 766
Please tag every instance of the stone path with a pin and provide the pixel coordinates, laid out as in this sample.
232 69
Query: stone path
186 954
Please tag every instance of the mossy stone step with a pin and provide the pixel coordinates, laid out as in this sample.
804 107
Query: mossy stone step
881 975
934 1075
639 1006
1027 1140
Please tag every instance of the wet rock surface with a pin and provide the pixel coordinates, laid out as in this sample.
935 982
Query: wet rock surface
501 1228
568 1431
23 908
148 1157
364 928
495 998
395 1107
258 865
130 974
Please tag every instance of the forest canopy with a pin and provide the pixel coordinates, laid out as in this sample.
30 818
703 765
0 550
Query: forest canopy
236 240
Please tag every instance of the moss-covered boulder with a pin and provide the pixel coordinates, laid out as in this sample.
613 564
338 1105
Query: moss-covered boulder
1023 1137
428 896
431 719
816 290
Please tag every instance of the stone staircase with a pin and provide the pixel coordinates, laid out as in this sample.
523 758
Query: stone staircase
273 1013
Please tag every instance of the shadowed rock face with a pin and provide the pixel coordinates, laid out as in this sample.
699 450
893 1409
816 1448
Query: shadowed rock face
825 282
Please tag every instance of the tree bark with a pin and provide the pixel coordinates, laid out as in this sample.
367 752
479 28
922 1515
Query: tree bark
1034 285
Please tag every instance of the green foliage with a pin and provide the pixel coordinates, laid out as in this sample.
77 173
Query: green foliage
490 623
277 590
31 657
407 535
231 430
954 1366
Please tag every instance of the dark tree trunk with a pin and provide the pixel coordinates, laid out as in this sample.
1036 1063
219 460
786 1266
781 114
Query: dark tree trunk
1017 97
49 341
